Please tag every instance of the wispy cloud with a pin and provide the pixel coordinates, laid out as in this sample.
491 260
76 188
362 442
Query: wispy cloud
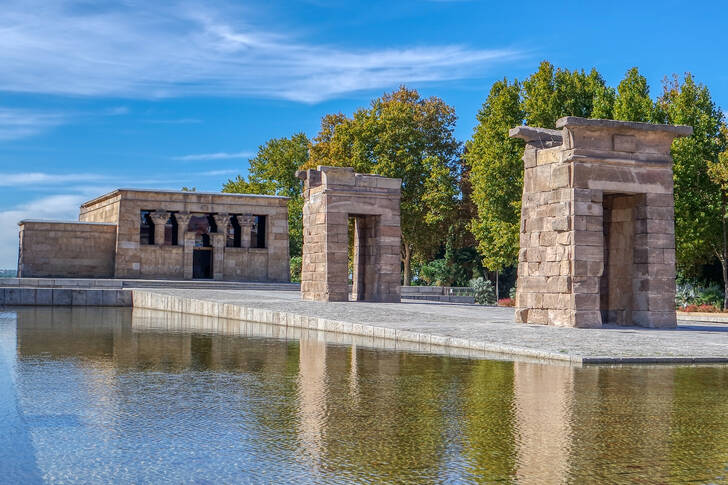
213 156
152 49
42 178
22 123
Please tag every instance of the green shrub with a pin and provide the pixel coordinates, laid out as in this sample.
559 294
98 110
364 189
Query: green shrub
484 291
694 293
434 273
296 263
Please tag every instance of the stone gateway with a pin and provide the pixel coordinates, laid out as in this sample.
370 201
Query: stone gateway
334 197
597 238
157 234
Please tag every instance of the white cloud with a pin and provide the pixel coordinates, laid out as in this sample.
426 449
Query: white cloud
41 178
55 207
21 123
154 49
213 156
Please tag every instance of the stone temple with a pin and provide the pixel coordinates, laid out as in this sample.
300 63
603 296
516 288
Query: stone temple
597 230
335 199
157 234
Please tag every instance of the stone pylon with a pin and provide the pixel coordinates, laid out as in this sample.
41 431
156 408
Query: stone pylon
597 224
332 197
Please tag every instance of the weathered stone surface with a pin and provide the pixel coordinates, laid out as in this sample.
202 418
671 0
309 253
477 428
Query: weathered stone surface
597 224
332 196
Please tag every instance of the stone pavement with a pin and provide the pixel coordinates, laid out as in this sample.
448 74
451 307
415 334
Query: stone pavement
488 329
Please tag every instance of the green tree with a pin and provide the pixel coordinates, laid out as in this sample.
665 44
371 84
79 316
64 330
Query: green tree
496 174
699 207
273 172
718 172
633 102
549 94
495 159
401 135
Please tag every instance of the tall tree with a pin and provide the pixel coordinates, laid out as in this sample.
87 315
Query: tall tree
548 94
401 135
495 159
699 209
496 174
273 172
718 172
633 102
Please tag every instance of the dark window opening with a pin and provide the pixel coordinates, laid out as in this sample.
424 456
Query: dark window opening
202 241
171 231
199 224
257 234
211 223
234 235
146 228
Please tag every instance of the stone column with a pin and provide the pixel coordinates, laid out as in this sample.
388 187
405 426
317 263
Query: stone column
218 254
189 247
183 222
159 218
222 221
219 240
246 222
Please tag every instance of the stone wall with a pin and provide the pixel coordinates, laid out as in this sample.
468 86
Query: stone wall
333 196
597 224
66 249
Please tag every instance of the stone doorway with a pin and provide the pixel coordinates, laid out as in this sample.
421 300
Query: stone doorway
364 254
202 263
616 286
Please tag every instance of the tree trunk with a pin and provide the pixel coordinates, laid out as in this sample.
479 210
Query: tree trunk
497 297
407 261
724 256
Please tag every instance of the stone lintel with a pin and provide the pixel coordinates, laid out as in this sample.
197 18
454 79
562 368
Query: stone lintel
615 125
532 135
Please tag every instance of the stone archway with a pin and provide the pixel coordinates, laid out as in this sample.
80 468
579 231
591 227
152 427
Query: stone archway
332 196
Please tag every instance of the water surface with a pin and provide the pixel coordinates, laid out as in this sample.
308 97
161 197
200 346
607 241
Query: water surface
96 396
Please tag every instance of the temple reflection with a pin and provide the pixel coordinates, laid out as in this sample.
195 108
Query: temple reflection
333 405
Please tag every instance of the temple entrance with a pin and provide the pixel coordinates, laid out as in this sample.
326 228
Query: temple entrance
616 284
363 255
202 263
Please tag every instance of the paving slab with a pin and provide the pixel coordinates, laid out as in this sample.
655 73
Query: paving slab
485 328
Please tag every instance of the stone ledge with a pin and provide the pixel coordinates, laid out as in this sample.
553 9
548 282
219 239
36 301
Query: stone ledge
30 296
170 303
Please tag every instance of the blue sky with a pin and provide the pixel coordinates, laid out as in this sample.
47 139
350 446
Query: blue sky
97 95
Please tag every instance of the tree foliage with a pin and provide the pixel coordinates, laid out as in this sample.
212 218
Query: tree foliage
495 159
273 172
496 173
405 136
633 102
698 211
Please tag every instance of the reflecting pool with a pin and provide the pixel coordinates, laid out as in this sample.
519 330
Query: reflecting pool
101 396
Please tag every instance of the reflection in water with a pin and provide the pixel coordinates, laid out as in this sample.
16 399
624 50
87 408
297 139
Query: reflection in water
103 395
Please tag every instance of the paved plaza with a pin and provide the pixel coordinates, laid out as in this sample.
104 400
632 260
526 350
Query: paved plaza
484 328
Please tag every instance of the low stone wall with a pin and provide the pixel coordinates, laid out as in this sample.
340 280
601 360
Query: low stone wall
64 297
66 249
438 293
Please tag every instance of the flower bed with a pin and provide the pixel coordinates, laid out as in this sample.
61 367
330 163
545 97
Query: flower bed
506 302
